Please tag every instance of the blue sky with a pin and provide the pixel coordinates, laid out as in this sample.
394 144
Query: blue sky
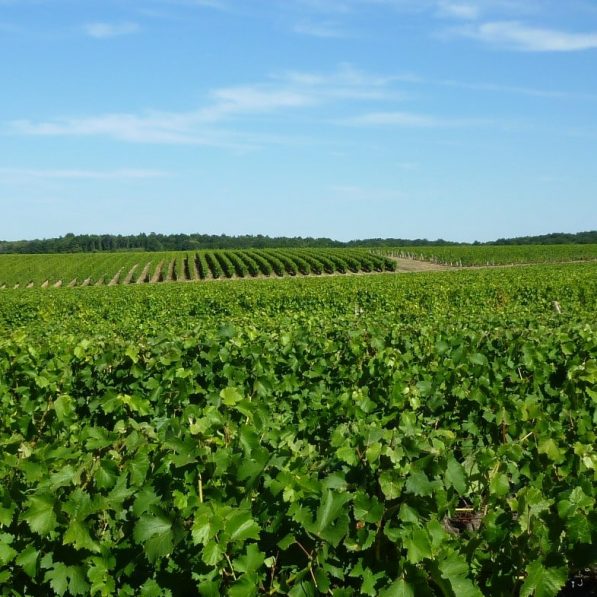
461 119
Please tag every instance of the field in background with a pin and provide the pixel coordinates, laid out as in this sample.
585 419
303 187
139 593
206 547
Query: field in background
495 255
101 269
85 269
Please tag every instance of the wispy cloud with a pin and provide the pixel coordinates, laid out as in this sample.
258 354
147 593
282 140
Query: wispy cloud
108 30
191 127
217 4
408 120
175 9
148 127
518 90
245 99
10 174
458 10
516 35
464 9
320 6
322 30
346 83
284 92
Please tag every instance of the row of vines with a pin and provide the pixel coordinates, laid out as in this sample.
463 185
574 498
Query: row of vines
413 436
28 271
488 255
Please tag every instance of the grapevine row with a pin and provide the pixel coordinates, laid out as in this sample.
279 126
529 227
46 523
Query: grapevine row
391 435
20 271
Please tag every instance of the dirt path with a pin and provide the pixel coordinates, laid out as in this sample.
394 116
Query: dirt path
414 265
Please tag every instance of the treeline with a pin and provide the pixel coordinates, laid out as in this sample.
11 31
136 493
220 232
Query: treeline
92 243
555 238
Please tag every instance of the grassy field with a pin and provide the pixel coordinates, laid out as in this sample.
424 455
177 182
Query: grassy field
429 434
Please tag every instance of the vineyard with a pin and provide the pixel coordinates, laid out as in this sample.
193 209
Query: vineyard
496 255
428 435
113 269
100 269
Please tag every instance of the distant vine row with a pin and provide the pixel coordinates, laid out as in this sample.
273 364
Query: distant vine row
28 271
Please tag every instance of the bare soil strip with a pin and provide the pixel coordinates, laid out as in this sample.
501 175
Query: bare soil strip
196 268
114 280
157 275
171 275
45 284
72 283
131 273
57 284
144 275
100 281
187 269
414 265
86 282
30 285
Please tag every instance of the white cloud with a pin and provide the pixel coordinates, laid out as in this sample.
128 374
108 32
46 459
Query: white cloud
11 174
323 30
208 4
149 127
253 98
408 120
321 6
217 4
519 36
518 90
283 93
405 119
107 30
345 76
168 128
458 10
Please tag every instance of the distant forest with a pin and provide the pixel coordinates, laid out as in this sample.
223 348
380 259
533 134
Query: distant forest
91 243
